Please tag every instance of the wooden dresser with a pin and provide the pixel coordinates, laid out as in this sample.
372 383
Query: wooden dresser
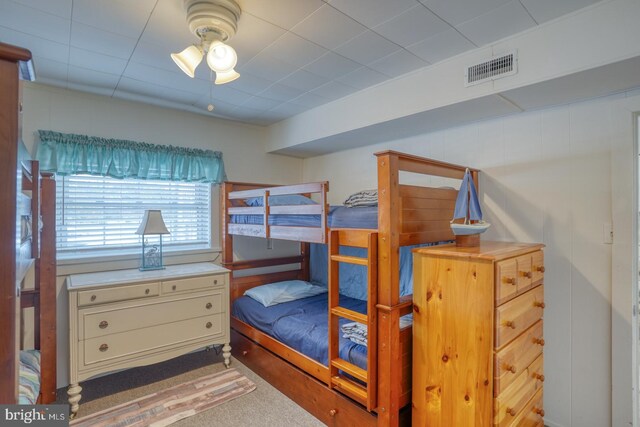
478 335
121 319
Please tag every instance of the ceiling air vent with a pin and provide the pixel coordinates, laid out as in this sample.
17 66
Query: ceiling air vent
498 67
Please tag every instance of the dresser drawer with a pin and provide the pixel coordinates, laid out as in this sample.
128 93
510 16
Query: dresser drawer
533 413
96 322
516 356
126 344
515 276
515 397
537 266
117 293
192 284
515 316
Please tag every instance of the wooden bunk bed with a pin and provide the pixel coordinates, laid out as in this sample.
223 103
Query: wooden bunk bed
407 215
27 220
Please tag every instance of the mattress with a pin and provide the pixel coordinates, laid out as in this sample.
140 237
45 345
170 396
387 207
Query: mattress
302 325
339 217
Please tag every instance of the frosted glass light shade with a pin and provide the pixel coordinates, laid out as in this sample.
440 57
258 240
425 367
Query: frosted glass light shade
188 59
221 57
152 223
226 77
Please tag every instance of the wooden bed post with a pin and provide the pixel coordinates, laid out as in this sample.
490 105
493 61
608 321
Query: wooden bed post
46 265
389 363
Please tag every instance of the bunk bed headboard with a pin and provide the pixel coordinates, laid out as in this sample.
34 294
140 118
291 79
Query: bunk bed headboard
417 214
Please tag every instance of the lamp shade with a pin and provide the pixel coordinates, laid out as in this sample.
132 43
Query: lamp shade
221 57
226 77
152 223
188 59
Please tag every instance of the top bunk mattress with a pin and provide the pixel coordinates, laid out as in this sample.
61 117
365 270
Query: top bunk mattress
339 217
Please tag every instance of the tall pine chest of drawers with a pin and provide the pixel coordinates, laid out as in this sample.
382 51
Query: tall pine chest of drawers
478 335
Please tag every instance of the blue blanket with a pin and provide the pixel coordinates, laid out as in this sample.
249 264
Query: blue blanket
339 217
302 325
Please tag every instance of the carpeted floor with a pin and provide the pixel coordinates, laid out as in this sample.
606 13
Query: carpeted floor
265 406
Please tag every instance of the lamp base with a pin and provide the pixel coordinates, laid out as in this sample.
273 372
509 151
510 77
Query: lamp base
151 268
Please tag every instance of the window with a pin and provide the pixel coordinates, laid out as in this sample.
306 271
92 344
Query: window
100 213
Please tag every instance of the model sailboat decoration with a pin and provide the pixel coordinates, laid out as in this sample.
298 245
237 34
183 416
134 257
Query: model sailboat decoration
468 208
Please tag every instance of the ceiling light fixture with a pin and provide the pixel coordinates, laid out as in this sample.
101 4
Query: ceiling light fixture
213 22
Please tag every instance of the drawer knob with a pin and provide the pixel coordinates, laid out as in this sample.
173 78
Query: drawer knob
510 324
510 368
103 324
527 274
93 297
510 280
540 269
173 288
511 412
208 306
539 341
333 412
539 304
104 347
539 377
245 352
539 411
146 291
215 281
209 325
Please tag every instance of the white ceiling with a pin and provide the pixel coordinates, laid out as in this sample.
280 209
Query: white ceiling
293 54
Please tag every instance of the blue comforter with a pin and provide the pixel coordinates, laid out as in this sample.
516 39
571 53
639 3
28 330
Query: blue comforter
302 325
339 217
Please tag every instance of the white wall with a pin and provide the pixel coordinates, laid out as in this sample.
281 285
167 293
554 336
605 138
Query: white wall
546 177
242 146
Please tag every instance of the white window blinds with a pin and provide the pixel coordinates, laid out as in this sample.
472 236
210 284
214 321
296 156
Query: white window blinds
96 213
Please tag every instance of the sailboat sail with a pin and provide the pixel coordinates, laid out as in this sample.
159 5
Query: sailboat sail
468 208
467 204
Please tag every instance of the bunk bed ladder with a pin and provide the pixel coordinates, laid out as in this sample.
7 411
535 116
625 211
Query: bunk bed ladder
359 384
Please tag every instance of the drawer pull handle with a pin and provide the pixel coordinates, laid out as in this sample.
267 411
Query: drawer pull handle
539 377
208 306
510 368
93 297
146 291
539 341
333 412
510 280
511 412
527 274
539 411
539 304
540 269
173 288
510 324
104 347
209 325
103 324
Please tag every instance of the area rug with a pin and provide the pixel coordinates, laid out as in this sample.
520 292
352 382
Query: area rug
176 403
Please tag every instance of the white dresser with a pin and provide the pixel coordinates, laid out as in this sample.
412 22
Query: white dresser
127 318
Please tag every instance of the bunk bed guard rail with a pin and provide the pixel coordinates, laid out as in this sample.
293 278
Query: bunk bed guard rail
313 216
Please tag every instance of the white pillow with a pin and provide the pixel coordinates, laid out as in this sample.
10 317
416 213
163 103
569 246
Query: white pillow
279 292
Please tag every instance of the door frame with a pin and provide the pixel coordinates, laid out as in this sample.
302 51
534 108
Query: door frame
624 271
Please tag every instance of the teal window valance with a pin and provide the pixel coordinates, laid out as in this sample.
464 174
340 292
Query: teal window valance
70 154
